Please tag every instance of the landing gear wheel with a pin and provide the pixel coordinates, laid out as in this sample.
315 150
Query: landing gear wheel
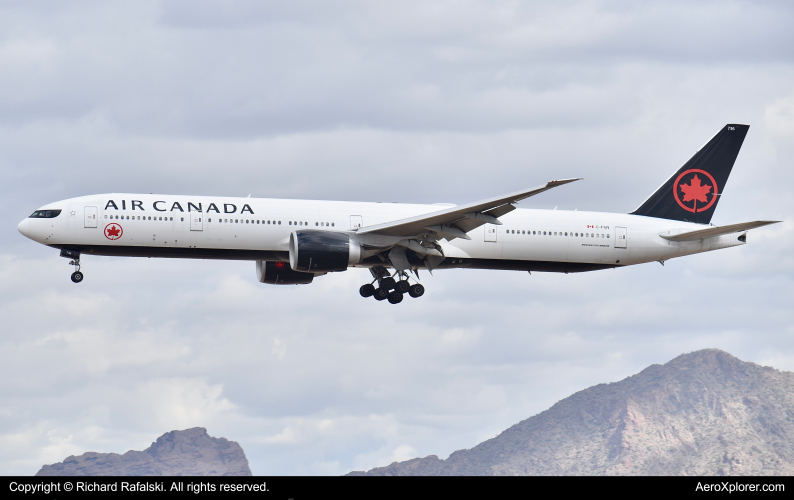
381 293
387 283
416 291
367 290
77 276
402 286
395 297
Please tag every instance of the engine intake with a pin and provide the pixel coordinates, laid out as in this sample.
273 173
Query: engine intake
279 273
322 251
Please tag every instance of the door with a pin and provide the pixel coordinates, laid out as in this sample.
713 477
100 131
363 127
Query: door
90 217
356 222
490 233
620 237
196 223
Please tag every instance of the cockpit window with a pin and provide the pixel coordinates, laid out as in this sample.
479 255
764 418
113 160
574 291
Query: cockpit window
45 214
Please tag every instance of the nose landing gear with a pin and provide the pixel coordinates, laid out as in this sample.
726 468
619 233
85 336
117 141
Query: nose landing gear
77 275
389 288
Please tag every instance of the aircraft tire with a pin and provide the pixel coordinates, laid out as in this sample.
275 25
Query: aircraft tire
416 291
395 297
387 283
367 290
402 286
77 276
380 294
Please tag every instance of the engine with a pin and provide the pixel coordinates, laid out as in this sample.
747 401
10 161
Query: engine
279 273
323 251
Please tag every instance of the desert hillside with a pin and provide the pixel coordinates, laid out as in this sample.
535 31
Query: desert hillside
703 413
191 452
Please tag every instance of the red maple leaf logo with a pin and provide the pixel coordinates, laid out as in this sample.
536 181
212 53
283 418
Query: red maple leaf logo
695 190
113 231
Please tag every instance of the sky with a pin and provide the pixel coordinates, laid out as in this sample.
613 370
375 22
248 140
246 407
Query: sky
420 102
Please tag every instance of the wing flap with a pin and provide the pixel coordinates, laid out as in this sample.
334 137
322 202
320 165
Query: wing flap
717 231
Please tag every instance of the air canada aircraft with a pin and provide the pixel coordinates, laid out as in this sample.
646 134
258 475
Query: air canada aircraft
294 241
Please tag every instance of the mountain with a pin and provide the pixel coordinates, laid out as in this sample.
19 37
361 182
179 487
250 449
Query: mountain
191 452
703 413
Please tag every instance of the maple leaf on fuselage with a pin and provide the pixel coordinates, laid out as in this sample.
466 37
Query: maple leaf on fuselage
113 231
695 190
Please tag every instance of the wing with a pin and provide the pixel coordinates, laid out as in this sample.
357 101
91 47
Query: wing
455 222
717 231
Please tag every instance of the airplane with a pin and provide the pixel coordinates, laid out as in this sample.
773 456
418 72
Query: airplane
294 241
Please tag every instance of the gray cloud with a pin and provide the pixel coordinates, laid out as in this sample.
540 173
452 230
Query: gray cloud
444 102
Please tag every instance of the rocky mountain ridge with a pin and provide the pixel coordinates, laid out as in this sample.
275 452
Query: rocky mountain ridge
191 452
703 413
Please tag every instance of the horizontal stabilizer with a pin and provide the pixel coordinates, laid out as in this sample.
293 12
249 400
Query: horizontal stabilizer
717 231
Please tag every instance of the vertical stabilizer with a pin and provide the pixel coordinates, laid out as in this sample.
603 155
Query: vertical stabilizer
692 193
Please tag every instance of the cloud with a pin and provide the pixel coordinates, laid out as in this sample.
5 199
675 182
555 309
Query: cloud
181 403
779 118
279 348
414 102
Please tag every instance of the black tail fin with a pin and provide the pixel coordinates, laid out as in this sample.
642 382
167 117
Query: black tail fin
693 192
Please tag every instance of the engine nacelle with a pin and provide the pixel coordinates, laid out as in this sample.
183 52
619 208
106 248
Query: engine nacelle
279 273
322 251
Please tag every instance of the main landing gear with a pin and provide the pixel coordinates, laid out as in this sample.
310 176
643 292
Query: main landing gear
390 289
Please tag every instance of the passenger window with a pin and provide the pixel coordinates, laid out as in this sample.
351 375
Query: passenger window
332 224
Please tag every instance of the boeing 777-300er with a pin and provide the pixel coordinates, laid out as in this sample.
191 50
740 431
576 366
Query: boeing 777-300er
293 241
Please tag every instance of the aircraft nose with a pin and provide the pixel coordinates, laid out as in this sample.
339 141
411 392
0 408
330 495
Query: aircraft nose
24 227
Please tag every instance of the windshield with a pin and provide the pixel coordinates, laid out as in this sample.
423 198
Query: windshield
45 214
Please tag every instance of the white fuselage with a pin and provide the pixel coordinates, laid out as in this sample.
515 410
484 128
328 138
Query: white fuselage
259 229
